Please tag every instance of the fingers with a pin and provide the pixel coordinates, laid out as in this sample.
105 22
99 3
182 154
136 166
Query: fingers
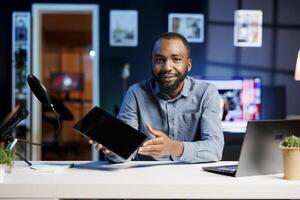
152 150
98 146
90 141
106 151
154 141
153 131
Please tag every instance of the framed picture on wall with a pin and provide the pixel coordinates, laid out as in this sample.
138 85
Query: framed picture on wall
248 28
189 25
123 28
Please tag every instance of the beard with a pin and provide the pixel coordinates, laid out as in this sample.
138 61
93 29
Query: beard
169 86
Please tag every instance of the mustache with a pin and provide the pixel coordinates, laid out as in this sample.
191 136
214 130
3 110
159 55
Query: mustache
167 74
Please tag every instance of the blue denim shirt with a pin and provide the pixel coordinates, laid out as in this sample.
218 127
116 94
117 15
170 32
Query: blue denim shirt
192 117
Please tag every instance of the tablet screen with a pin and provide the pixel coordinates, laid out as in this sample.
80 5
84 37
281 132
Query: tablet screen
111 132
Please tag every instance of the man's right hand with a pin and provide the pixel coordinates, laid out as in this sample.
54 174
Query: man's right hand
101 147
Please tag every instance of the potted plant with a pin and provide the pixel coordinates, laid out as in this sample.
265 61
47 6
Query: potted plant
6 160
291 157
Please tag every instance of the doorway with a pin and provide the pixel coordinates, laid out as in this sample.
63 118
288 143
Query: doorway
66 60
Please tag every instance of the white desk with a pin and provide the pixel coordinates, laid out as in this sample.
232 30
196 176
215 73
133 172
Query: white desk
155 180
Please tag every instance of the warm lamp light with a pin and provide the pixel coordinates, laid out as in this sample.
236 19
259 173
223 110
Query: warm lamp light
297 70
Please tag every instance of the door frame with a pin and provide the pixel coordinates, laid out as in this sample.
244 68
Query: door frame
37 10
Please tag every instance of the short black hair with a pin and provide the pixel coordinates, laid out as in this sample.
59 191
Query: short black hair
173 35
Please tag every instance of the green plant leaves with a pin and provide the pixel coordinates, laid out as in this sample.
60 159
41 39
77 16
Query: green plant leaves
291 141
6 156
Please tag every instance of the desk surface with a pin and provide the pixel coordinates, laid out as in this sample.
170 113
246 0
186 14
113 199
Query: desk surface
143 180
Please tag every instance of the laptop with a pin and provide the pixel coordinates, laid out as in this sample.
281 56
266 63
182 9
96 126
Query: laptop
260 152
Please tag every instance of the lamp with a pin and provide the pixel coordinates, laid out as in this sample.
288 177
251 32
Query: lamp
297 70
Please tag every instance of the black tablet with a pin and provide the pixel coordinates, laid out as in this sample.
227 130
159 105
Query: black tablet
112 133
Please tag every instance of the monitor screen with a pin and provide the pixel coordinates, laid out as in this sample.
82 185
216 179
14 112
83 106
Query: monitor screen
240 101
67 81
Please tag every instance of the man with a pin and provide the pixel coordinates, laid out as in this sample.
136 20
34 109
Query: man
179 113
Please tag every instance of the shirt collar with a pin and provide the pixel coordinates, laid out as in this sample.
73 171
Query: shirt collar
186 87
184 92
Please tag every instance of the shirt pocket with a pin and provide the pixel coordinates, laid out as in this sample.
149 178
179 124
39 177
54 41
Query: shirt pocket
188 123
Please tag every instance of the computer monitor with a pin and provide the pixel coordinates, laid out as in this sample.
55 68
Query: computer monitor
71 81
240 101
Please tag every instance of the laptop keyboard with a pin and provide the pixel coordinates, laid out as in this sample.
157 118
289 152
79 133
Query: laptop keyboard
228 169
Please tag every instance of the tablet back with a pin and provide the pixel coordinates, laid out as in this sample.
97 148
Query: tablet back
111 132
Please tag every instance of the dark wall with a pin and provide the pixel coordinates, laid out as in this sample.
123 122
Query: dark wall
152 21
274 61
5 51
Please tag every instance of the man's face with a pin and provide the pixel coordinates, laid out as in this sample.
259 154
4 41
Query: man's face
170 63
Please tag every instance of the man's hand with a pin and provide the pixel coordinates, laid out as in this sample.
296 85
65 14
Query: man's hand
161 145
101 147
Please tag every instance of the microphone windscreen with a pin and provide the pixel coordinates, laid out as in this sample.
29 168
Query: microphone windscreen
11 120
38 90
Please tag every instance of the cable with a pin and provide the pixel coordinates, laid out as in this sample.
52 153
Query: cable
24 159
33 143
56 116
56 131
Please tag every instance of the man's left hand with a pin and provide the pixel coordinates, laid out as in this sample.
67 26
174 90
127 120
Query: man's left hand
161 145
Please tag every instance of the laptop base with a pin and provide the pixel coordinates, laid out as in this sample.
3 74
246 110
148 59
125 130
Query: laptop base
229 170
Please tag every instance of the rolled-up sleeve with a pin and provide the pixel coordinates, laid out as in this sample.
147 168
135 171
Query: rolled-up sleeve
210 147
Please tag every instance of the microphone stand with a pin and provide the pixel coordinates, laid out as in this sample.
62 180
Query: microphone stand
10 138
14 140
24 159
10 143
41 94
57 119
41 144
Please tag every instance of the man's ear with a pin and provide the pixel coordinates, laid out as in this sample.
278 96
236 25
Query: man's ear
189 64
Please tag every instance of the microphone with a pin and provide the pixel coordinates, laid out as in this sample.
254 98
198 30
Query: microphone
10 121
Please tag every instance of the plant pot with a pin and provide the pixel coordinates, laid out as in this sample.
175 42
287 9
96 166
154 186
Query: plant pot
2 172
291 162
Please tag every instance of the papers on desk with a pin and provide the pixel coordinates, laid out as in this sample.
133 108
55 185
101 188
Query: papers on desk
50 168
